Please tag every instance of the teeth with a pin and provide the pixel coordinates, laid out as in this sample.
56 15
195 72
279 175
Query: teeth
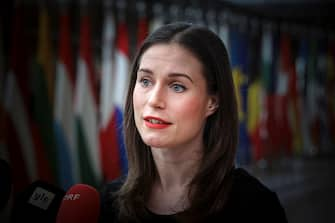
154 121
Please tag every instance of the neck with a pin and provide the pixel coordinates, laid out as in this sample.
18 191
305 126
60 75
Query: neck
175 167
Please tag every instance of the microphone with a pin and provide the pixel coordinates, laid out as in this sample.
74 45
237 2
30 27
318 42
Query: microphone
81 203
39 202
5 183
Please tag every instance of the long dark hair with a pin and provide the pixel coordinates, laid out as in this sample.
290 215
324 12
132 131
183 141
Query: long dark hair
210 186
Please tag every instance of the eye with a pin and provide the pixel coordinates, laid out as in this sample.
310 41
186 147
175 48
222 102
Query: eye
178 88
145 82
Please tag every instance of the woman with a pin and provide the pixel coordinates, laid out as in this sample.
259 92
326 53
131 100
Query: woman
181 137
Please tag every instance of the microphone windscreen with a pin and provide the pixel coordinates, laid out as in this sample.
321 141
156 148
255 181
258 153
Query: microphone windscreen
81 203
39 202
5 183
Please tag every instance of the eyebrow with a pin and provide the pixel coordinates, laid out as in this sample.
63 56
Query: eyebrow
170 74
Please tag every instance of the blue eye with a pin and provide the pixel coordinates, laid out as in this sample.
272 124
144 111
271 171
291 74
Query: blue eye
178 88
145 82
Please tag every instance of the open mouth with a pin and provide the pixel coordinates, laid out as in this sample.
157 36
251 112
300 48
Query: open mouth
154 122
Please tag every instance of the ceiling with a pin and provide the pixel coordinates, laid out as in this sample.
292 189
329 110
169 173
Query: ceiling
313 12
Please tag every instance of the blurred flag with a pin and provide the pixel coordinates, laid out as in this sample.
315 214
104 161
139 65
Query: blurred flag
302 80
282 96
157 19
19 133
110 158
42 90
142 24
294 96
122 55
64 119
255 100
211 20
312 95
224 34
86 109
142 31
239 57
321 99
268 129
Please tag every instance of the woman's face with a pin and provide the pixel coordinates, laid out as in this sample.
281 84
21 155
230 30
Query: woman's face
170 98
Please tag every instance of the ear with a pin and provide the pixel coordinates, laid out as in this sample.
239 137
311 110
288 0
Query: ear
212 105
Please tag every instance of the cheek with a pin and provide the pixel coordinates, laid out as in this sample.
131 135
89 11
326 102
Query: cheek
191 109
137 104
137 99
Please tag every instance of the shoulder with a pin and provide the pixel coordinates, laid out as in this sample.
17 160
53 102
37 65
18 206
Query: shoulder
247 184
108 195
251 199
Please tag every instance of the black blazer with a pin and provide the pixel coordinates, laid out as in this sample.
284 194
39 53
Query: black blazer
250 201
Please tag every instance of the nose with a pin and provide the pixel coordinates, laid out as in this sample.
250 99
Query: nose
157 97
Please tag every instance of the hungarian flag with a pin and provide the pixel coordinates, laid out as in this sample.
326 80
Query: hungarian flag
42 95
86 109
239 58
64 118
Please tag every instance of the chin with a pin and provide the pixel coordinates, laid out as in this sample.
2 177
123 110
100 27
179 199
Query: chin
154 143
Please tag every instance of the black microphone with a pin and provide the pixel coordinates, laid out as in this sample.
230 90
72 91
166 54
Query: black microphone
5 183
39 202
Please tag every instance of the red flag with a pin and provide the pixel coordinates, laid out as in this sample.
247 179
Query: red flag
107 132
112 144
282 103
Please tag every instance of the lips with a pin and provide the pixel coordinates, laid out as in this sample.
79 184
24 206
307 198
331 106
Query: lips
156 123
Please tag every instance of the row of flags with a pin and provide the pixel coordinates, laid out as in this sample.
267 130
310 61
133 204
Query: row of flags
61 117
285 89
59 122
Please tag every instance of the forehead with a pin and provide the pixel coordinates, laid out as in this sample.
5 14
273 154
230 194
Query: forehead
171 55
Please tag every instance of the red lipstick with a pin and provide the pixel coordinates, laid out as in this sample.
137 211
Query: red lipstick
156 123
